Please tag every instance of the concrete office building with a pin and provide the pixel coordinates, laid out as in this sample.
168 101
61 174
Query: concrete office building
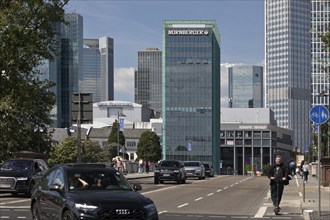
288 65
320 59
148 79
246 86
250 139
191 90
97 76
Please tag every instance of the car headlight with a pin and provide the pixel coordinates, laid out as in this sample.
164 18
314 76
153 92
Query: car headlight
85 207
21 178
176 171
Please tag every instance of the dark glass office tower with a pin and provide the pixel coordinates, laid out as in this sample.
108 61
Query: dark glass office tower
148 79
191 91
246 86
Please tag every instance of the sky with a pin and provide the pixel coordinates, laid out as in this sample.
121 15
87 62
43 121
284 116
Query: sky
136 25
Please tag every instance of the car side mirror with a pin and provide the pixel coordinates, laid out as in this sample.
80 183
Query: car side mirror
55 187
136 187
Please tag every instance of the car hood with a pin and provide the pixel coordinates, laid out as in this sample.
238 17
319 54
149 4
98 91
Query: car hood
109 198
192 168
167 168
14 173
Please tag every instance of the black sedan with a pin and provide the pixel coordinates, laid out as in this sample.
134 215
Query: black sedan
89 191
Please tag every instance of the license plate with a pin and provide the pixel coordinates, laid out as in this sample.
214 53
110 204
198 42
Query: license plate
5 186
166 174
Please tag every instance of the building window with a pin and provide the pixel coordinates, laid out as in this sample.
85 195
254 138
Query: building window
239 133
239 142
230 142
256 133
222 134
247 133
248 142
266 134
131 156
230 133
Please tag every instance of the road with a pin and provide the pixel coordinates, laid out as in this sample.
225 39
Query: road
221 197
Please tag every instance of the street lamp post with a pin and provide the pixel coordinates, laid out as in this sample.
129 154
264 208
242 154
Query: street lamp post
324 94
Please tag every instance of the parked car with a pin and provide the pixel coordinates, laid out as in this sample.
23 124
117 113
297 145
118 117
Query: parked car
194 169
208 170
20 175
89 191
169 170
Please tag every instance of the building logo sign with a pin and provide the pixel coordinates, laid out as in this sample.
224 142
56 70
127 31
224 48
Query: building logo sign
188 32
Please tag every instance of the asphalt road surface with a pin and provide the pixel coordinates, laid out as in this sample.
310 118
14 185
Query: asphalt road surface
221 197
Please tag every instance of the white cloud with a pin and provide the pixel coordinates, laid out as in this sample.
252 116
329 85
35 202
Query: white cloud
124 84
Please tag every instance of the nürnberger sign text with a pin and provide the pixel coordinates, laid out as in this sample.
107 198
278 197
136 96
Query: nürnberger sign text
187 32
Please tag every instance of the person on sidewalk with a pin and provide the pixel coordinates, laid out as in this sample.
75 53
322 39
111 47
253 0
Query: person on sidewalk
305 169
292 168
277 174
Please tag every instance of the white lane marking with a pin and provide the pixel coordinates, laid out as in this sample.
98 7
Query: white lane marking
17 201
180 206
219 190
226 187
21 217
4 216
211 216
158 190
300 194
14 207
297 181
232 185
159 213
199 198
210 194
261 212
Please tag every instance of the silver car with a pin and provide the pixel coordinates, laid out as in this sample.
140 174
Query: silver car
194 169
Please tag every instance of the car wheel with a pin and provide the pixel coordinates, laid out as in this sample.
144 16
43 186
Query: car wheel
156 181
29 193
67 215
199 177
35 211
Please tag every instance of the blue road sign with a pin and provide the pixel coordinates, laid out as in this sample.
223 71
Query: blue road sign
189 146
319 114
121 124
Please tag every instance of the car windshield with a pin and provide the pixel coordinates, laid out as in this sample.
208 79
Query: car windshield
15 165
169 164
206 166
91 179
191 164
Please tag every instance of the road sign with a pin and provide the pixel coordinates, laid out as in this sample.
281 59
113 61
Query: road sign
319 114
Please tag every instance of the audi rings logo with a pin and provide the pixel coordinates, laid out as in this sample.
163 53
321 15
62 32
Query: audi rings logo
122 211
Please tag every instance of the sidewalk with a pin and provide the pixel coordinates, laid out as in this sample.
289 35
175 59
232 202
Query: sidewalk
310 207
131 176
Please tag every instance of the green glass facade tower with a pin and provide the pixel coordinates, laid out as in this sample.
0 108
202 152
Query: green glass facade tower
191 91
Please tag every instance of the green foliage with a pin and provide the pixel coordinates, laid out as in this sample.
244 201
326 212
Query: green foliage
27 39
113 136
66 152
149 148
111 152
265 169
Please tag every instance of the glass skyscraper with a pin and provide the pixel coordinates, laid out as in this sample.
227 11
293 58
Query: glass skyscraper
246 86
288 65
320 59
148 79
98 69
191 91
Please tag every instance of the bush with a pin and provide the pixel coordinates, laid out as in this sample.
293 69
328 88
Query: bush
265 169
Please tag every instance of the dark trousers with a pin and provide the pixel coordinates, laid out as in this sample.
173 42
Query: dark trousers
276 195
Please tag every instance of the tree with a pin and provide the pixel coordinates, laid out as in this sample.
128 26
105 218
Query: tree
66 152
113 137
149 148
27 40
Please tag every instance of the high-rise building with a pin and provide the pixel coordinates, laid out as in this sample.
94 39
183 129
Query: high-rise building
98 69
320 59
191 90
246 86
148 79
66 67
288 65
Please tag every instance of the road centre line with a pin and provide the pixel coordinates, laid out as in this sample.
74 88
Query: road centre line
199 198
210 194
226 187
159 213
180 206
158 190
219 190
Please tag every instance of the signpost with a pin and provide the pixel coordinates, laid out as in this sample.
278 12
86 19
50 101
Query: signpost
319 114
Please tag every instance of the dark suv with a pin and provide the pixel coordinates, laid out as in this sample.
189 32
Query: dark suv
170 170
20 175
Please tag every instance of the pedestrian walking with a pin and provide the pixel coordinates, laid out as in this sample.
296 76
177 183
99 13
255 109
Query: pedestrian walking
147 166
140 166
292 168
305 170
277 174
